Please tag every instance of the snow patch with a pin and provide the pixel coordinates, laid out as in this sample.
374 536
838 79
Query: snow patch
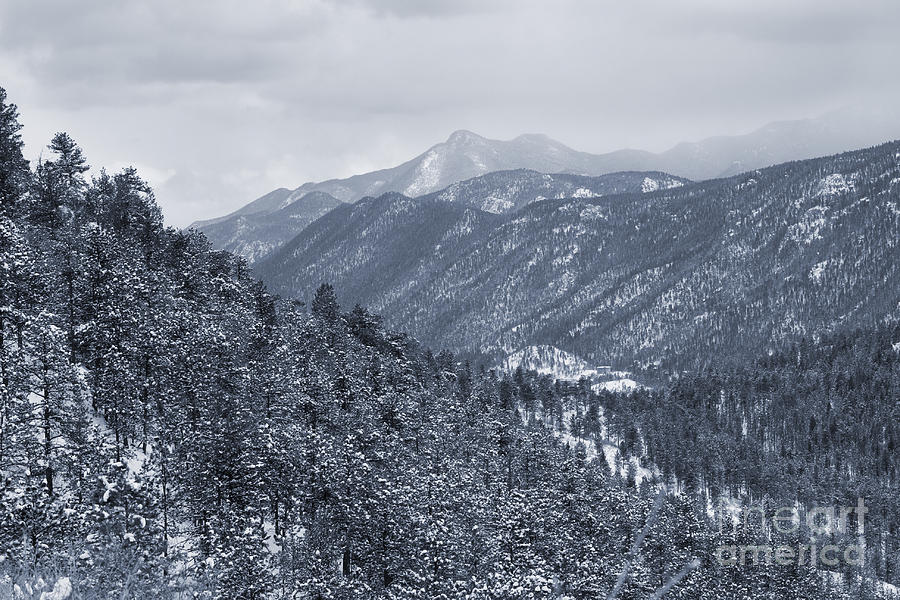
834 184
809 227
550 360
651 185
593 213
816 272
62 589
616 386
583 192
497 206
428 175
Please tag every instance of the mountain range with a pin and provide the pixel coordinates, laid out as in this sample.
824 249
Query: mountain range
712 268
262 225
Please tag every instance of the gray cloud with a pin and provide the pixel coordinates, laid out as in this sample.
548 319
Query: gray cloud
431 9
219 102
825 22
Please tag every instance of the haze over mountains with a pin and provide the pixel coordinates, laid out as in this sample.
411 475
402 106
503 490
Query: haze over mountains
256 234
714 268
252 233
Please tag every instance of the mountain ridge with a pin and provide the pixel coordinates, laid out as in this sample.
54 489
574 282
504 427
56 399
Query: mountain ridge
465 155
716 156
622 279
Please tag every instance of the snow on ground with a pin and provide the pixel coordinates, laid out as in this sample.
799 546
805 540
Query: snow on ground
583 192
593 213
834 184
810 225
616 385
428 174
651 185
816 272
610 449
271 539
889 590
62 589
550 360
138 459
496 205
572 442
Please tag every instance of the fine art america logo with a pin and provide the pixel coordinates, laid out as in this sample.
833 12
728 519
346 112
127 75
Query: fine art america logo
814 536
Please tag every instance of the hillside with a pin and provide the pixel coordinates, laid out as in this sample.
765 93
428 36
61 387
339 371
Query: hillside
256 234
683 274
171 430
508 191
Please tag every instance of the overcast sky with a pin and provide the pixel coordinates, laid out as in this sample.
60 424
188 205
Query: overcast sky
219 102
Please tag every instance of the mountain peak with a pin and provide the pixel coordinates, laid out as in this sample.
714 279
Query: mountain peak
535 138
463 136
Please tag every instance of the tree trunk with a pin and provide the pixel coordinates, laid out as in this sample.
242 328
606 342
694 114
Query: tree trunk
48 439
345 562
165 498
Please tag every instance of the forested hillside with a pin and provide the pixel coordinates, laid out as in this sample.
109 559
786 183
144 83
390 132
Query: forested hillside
263 226
681 276
170 429
817 421
508 191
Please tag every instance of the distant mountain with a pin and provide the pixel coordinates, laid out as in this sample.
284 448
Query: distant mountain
707 269
779 142
254 235
463 156
269 203
466 155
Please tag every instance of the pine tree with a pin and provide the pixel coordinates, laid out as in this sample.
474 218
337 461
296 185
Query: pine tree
14 173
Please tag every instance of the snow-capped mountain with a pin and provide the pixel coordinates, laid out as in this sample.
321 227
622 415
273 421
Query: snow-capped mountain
462 156
706 269
466 155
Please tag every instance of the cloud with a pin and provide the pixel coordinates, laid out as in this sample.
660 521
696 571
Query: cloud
142 50
820 22
431 9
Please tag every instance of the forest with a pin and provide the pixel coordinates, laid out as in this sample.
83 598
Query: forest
170 429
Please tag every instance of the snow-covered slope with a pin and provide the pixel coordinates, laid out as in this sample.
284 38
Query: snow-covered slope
550 360
507 191
625 384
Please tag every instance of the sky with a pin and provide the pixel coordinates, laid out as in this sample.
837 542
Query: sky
219 102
